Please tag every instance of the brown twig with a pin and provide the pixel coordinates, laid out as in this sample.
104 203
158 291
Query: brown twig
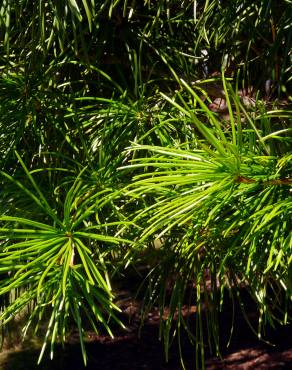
246 180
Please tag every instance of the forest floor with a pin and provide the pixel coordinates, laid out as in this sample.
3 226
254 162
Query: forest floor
131 351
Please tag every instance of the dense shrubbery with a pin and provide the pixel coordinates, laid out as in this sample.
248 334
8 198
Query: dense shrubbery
108 143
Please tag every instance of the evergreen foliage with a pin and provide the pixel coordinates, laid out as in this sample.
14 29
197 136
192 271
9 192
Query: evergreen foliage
112 154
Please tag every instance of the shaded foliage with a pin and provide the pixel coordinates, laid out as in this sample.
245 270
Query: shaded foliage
111 155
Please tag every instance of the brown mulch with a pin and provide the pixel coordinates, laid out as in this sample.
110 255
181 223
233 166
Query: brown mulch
129 351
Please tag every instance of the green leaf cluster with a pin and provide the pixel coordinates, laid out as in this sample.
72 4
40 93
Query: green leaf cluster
112 158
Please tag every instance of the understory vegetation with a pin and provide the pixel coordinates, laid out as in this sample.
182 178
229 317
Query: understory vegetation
144 134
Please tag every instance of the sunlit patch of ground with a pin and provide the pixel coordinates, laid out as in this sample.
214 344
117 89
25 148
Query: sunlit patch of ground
128 351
